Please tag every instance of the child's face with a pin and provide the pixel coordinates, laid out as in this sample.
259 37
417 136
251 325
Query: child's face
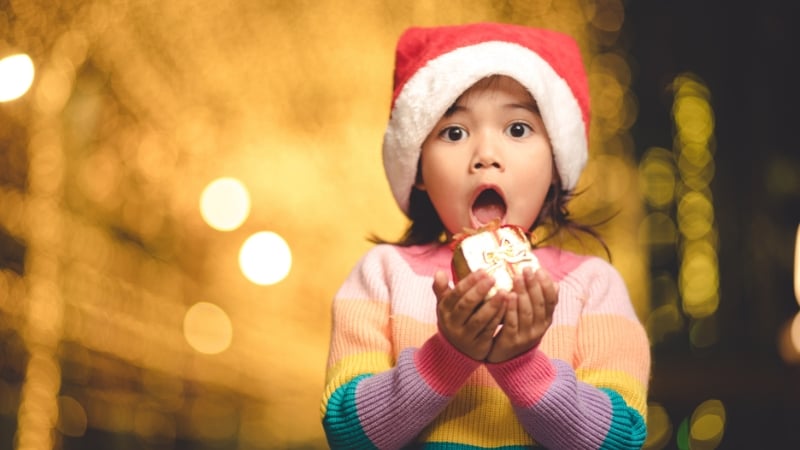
488 158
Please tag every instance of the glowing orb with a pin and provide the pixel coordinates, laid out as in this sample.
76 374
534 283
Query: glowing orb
265 258
16 76
207 328
225 204
797 266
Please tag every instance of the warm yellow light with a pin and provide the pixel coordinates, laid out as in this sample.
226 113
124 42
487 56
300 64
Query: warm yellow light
663 321
797 266
657 177
695 215
703 333
794 333
225 204
694 119
207 328
72 420
154 426
658 229
16 76
789 341
699 280
707 425
265 258
659 427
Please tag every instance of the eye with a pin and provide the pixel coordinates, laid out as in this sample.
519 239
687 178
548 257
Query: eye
453 133
519 130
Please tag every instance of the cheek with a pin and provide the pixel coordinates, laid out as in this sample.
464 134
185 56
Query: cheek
435 169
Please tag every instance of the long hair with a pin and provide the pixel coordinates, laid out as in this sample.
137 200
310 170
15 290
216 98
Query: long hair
426 227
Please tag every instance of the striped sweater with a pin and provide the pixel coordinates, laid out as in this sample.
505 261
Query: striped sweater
393 381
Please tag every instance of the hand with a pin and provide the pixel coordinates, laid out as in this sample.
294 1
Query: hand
465 319
527 317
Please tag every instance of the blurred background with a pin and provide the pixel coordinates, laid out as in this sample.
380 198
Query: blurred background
185 184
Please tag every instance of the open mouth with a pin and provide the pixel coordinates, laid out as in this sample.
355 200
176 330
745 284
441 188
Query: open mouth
488 206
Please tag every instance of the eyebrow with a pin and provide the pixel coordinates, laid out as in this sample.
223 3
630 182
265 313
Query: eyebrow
531 106
453 109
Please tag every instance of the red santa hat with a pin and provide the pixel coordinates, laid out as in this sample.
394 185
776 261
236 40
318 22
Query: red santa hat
434 66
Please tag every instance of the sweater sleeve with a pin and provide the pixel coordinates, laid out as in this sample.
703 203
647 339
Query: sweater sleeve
367 393
601 403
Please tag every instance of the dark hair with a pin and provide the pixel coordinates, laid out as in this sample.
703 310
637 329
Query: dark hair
426 227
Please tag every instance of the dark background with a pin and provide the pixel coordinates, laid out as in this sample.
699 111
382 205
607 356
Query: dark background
747 55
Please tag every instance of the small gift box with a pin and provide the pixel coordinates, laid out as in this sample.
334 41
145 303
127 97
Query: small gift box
502 250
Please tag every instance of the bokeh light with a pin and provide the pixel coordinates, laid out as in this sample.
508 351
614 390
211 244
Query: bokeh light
153 425
657 177
707 425
699 280
658 229
694 146
265 258
797 266
16 76
72 420
789 340
207 328
225 204
704 333
659 427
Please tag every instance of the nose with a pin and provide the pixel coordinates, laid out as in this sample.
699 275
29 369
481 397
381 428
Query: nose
486 156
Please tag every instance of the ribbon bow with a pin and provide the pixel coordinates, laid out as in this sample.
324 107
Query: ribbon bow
507 252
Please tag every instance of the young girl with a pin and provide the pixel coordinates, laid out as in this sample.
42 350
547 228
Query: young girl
489 123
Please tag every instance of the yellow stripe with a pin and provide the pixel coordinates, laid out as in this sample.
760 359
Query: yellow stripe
481 416
352 366
633 391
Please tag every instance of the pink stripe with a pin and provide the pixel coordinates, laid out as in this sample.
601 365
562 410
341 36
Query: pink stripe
557 262
526 378
444 368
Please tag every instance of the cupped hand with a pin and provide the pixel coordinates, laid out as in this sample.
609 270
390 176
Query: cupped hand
465 319
527 317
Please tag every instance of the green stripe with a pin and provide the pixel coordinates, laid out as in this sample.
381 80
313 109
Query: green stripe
628 429
341 424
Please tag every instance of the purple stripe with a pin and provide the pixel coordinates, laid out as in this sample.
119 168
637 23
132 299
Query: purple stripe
572 414
394 406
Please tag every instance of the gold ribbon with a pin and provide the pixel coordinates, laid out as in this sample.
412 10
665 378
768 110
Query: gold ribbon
506 253
491 226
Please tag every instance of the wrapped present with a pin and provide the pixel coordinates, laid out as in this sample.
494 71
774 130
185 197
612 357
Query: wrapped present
502 250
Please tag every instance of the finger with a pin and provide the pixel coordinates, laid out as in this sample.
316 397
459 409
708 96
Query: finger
526 312
549 290
537 302
511 318
467 304
485 321
448 295
494 325
441 285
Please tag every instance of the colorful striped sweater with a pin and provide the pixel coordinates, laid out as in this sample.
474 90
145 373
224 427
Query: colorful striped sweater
393 381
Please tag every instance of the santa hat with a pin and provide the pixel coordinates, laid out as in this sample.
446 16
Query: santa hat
434 66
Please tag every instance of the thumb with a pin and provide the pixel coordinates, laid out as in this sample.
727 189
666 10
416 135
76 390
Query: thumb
441 284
